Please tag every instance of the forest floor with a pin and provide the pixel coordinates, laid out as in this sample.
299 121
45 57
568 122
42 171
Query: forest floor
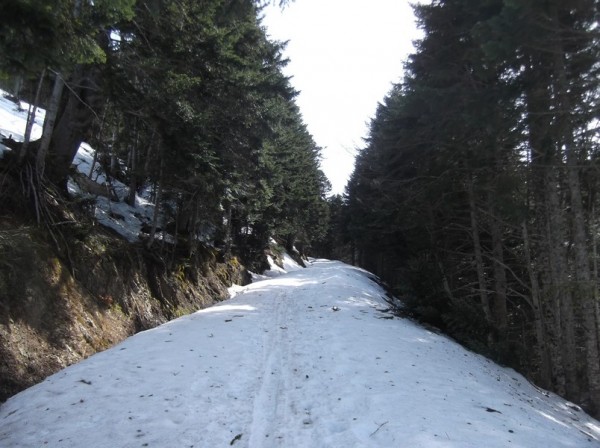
309 358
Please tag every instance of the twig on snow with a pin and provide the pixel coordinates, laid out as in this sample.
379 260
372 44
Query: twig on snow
378 428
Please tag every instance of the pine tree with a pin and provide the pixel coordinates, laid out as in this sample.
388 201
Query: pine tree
469 168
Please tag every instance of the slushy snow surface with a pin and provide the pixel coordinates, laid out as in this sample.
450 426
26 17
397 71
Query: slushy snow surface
311 358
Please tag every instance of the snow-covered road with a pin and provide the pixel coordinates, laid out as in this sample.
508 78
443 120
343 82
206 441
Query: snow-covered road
307 359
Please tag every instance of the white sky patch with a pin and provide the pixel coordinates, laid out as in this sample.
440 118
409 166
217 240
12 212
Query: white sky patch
344 56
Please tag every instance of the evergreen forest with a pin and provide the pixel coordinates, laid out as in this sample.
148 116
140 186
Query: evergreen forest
474 197
476 193
182 97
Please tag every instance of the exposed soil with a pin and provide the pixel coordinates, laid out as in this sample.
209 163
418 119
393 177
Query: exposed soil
55 312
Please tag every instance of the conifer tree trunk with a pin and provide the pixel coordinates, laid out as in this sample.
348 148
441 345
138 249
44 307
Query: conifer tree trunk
133 179
595 272
75 122
556 297
550 302
228 229
540 332
561 290
49 122
585 288
158 199
193 234
499 307
31 117
18 83
483 296
290 239
133 170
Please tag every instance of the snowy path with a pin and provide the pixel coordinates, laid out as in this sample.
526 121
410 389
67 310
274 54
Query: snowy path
307 359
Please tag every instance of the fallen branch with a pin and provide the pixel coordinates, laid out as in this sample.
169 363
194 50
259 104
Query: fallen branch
378 428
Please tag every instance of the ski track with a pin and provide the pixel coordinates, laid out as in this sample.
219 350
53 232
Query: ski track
306 359
270 403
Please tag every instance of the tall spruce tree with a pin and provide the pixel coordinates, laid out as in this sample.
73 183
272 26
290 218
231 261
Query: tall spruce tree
470 166
192 99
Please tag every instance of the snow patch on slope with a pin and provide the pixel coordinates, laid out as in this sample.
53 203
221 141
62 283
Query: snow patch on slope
13 119
288 264
124 219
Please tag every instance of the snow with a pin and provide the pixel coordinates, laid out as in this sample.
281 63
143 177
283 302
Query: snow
311 358
13 119
124 219
288 265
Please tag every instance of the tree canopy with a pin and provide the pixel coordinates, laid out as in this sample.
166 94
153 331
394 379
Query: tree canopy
184 97
476 192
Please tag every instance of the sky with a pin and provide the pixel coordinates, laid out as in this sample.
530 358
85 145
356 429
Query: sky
344 56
